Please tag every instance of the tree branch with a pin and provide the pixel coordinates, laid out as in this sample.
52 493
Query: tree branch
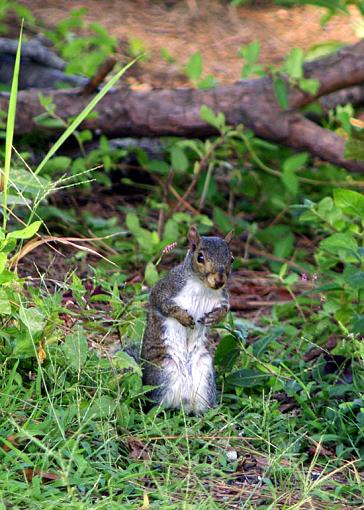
177 112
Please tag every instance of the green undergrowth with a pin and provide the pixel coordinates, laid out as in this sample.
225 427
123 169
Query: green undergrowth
288 430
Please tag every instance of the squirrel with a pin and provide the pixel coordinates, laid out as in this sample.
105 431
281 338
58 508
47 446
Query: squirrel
182 306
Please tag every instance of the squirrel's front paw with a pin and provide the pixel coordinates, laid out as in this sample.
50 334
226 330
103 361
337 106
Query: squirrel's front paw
185 319
214 317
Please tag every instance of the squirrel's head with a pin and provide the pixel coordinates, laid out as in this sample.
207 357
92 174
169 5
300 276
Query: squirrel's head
211 258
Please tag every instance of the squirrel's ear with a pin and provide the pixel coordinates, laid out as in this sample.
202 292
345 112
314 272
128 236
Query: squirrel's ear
193 237
229 237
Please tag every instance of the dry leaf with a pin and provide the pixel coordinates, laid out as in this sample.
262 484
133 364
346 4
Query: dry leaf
320 450
12 439
41 352
46 477
146 504
357 123
138 449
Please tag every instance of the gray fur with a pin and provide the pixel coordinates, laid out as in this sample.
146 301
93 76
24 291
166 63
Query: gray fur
164 360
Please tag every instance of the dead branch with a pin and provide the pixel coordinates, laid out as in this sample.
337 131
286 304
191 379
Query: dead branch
177 112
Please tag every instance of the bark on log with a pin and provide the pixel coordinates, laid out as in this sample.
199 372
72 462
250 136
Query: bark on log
177 112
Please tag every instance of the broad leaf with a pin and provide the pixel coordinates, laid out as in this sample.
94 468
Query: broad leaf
151 274
194 66
247 378
75 349
33 319
25 233
350 202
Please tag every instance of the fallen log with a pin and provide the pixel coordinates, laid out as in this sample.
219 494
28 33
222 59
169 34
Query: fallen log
125 112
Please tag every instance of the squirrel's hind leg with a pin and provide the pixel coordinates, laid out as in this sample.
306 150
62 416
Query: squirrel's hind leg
203 383
175 389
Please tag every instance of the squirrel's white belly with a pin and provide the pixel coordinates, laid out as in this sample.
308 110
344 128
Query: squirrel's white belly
191 364
198 299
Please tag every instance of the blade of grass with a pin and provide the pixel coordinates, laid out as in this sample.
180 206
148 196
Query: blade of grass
81 116
10 129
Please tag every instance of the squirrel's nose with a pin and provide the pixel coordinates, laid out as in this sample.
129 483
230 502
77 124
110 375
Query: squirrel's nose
220 279
219 284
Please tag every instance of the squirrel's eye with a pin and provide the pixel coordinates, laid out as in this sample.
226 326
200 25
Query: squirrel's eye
232 259
200 258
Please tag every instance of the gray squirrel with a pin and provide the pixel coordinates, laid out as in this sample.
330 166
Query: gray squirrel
182 306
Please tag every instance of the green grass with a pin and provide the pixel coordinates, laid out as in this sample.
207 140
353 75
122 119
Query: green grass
10 131
79 417
73 427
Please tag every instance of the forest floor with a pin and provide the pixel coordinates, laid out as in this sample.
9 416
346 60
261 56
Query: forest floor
287 433
183 27
214 28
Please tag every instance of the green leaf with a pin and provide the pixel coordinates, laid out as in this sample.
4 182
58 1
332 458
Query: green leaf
207 83
247 378
323 49
295 162
157 166
358 324
178 159
340 244
250 52
325 206
23 346
294 63
281 237
227 353
281 92
151 274
309 85
208 115
222 220
167 56
290 180
25 233
123 361
171 230
5 307
15 199
132 222
58 164
290 166
3 260
26 180
103 407
48 122
354 277
260 346
33 319
354 149
75 349
194 67
350 202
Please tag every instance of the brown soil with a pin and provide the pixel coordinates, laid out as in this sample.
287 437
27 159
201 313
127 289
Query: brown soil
212 27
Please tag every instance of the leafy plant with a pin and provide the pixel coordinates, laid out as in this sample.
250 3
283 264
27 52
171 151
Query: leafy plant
20 11
250 54
194 68
84 53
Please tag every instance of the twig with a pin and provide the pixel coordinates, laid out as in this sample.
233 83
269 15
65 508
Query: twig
201 166
180 199
100 75
270 256
161 217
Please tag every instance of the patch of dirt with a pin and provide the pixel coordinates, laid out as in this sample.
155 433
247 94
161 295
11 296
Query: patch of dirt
213 27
